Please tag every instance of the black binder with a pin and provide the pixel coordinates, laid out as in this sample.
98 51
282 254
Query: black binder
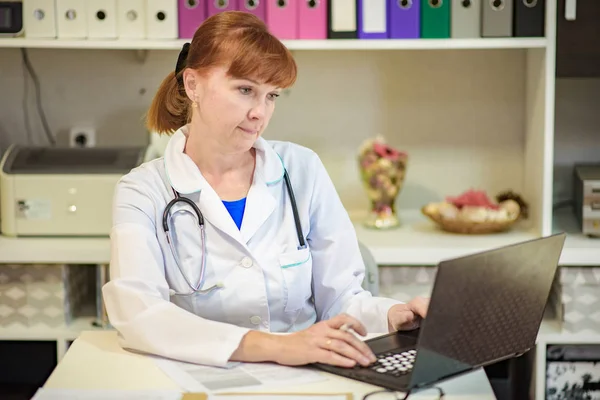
529 18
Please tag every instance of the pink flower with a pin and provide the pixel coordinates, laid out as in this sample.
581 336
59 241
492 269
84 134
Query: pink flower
388 152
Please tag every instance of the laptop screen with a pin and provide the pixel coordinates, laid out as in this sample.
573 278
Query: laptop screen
486 307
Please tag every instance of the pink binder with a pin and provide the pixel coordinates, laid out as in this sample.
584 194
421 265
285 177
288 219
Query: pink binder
312 19
191 15
282 18
216 6
256 7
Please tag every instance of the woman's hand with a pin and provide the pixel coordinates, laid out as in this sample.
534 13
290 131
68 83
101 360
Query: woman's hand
325 343
407 316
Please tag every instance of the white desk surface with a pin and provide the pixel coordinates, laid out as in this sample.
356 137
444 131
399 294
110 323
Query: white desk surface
96 361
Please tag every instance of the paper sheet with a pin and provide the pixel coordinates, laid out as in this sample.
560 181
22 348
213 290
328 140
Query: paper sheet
282 397
199 378
80 394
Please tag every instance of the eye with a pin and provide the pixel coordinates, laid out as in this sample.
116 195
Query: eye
273 96
245 90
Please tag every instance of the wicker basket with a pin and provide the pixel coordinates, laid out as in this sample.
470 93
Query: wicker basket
456 225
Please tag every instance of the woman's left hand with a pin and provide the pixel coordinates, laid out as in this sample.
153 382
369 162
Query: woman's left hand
407 316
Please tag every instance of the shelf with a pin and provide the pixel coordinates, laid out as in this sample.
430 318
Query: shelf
42 332
418 241
579 250
54 250
337 44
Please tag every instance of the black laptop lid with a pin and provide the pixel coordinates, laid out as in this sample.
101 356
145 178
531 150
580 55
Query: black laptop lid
485 307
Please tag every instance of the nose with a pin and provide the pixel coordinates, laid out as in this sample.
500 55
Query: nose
257 112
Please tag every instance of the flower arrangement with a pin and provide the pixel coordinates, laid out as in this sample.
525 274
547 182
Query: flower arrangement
382 170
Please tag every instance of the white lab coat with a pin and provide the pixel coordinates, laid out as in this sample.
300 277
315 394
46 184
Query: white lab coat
268 283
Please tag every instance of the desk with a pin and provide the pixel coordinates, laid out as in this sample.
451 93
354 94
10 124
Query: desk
96 361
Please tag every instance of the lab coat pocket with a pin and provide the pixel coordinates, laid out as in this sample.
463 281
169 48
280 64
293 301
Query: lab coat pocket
296 267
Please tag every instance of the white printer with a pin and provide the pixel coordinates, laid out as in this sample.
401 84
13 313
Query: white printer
54 191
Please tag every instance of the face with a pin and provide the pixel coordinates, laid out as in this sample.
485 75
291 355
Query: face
232 113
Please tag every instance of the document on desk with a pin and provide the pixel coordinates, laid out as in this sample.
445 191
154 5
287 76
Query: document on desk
101 394
200 378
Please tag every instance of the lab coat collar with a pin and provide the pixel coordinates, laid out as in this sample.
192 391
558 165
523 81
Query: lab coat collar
185 177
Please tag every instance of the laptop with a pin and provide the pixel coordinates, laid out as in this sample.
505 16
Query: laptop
484 308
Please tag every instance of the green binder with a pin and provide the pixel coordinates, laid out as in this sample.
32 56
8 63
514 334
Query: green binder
435 19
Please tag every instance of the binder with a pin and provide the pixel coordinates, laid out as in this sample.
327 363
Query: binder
404 19
39 18
372 19
191 13
102 19
529 18
342 19
161 19
282 18
131 19
71 19
497 18
312 19
256 7
435 19
465 18
217 6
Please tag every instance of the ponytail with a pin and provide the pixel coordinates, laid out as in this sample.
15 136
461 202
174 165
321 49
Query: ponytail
170 106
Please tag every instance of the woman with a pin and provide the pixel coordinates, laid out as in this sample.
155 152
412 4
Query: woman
259 276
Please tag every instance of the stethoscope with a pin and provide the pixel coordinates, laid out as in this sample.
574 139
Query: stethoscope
196 210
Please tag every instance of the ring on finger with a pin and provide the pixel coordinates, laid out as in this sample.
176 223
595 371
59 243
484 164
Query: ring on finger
328 342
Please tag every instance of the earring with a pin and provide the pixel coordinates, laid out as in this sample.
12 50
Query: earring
194 104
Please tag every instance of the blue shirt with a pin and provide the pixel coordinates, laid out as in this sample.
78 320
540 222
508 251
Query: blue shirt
236 210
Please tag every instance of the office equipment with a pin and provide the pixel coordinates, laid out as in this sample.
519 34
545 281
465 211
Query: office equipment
312 19
162 19
217 6
39 19
529 18
372 19
191 14
435 19
102 19
497 18
11 18
484 308
404 19
465 19
342 19
61 191
256 7
282 18
71 21
586 195
131 19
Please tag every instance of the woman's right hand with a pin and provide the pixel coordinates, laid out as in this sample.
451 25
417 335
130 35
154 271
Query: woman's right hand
325 343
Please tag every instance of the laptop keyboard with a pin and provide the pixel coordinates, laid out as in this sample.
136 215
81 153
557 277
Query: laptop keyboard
394 364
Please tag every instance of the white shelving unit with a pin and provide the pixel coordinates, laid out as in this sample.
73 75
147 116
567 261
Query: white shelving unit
338 44
518 149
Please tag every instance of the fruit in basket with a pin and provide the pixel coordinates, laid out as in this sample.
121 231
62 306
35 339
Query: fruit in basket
473 212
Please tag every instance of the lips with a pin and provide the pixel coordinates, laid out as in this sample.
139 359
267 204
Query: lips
249 131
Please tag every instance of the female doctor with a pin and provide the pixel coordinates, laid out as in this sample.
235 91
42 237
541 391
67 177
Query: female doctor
212 253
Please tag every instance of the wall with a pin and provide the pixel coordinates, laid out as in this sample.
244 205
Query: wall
459 114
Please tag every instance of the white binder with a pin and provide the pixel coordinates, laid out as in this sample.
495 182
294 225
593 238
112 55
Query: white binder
161 19
343 18
71 19
39 18
131 19
102 19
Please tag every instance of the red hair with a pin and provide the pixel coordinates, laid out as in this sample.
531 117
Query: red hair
234 39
